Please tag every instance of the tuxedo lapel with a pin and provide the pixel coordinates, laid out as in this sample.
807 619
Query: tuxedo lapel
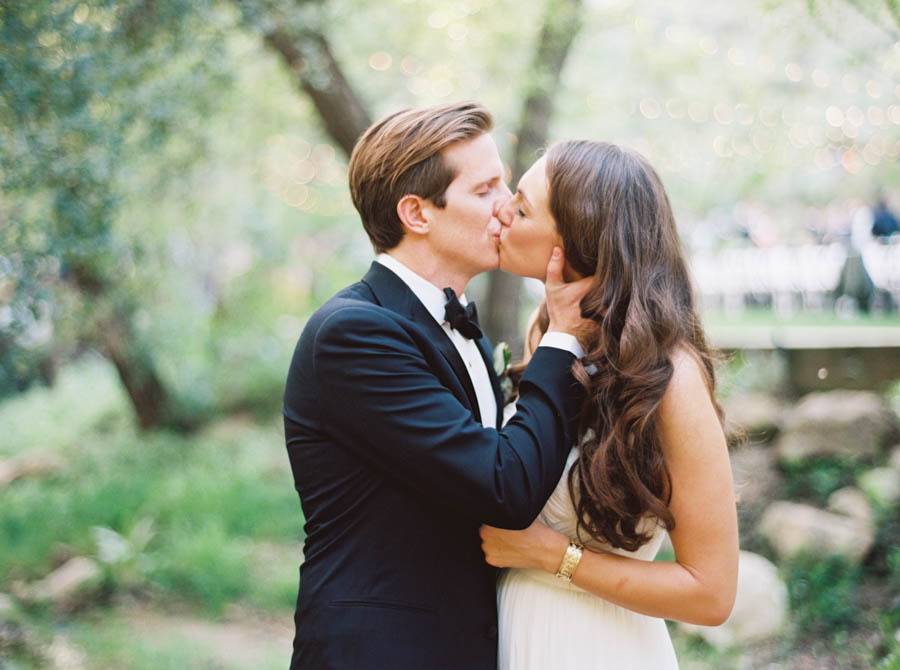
487 353
393 294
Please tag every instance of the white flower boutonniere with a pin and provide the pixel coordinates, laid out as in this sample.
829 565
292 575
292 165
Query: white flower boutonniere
502 356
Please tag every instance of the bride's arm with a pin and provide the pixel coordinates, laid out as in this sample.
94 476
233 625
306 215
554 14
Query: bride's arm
699 585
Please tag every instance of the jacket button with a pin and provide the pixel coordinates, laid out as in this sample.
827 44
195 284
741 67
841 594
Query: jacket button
490 632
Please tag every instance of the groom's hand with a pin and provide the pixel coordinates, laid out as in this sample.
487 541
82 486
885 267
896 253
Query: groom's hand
564 301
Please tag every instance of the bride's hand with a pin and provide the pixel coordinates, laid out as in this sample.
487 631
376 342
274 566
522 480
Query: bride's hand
538 546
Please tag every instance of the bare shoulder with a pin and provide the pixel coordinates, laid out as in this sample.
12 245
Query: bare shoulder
688 385
688 422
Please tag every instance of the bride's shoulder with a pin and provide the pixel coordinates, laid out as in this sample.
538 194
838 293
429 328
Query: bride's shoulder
687 413
688 384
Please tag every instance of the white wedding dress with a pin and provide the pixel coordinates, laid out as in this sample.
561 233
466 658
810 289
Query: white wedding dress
548 624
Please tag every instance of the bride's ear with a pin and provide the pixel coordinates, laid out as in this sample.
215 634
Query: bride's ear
411 211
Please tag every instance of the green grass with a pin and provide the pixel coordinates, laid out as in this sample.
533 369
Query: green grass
823 594
115 639
211 497
759 317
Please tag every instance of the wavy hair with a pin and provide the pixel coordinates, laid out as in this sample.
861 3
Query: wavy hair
617 225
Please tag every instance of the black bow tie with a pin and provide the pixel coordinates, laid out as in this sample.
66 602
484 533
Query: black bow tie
463 319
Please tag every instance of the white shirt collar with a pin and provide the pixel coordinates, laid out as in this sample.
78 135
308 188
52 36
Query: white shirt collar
428 294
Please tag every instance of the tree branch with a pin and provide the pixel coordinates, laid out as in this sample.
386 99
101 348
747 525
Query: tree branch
308 55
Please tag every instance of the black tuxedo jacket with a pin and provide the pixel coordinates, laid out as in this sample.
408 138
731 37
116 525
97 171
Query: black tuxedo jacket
395 474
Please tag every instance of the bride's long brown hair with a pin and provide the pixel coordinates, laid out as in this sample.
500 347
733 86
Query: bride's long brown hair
616 223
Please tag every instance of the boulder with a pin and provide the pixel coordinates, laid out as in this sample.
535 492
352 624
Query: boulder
9 470
63 655
894 460
7 606
35 464
760 606
792 527
754 417
882 485
72 580
852 502
846 424
40 464
757 478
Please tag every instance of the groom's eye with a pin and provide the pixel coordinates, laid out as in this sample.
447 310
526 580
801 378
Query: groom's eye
521 213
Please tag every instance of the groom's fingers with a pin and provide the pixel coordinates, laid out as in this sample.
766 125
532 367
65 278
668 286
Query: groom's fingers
555 268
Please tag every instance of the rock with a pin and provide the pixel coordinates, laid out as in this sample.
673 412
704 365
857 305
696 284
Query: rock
756 474
882 485
752 417
40 464
791 528
64 656
852 502
760 607
7 606
9 471
894 460
67 583
851 424
35 464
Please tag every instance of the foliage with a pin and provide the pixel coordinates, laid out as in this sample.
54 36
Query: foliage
214 500
817 478
84 85
130 131
823 594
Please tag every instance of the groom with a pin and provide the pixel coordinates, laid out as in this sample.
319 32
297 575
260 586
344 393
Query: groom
392 412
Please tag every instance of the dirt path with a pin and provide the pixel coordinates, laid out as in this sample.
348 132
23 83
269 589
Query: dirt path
242 639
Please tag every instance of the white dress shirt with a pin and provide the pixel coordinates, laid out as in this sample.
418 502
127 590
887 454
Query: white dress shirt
434 300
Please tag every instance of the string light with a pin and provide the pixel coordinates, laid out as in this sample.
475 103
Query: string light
737 57
650 108
380 60
850 84
873 88
723 114
876 115
820 78
793 72
834 116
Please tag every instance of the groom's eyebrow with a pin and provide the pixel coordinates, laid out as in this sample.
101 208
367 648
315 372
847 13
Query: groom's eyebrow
485 182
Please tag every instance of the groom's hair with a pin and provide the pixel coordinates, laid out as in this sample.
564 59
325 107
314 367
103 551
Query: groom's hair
401 155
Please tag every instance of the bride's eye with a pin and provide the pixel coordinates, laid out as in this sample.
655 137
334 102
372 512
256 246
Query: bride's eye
521 213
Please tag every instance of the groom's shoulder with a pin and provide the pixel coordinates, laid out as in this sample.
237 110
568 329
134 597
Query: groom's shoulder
349 309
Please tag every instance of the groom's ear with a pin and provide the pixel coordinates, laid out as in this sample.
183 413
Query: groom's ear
411 210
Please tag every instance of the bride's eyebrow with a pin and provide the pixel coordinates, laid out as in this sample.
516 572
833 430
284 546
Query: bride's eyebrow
520 192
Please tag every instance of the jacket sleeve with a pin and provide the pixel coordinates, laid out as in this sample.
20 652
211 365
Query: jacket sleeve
379 397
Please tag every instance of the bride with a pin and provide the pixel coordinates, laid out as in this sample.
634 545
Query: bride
582 590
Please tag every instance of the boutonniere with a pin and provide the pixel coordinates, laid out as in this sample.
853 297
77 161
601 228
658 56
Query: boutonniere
502 357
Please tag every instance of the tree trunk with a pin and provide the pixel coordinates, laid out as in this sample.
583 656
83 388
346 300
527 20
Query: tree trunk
340 108
136 371
114 336
561 24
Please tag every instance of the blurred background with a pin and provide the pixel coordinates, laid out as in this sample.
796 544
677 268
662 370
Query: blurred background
174 206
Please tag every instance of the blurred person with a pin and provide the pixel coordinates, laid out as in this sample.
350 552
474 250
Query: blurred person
884 223
392 411
581 589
